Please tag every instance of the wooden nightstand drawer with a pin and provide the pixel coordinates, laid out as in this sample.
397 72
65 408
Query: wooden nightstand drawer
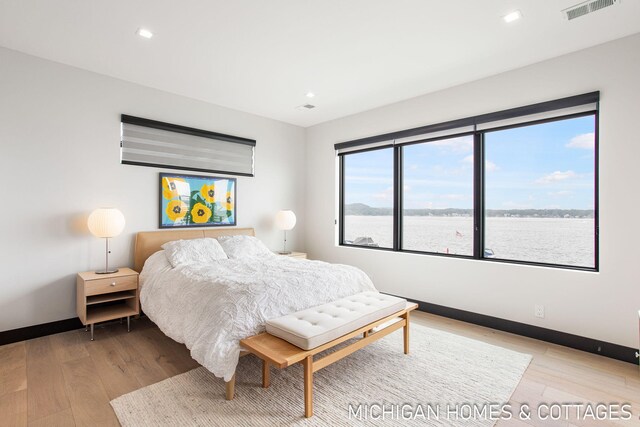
115 284
104 297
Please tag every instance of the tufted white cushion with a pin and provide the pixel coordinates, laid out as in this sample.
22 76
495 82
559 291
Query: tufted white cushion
315 326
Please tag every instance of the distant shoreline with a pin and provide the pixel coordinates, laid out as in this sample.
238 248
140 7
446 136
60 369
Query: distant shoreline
361 209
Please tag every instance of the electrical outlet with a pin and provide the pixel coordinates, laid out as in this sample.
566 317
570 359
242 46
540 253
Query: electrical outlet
539 311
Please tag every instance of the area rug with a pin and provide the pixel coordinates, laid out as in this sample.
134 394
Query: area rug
446 380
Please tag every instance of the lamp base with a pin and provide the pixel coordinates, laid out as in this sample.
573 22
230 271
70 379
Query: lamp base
284 252
107 271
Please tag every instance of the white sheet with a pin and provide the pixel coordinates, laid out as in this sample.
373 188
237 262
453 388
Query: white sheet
211 307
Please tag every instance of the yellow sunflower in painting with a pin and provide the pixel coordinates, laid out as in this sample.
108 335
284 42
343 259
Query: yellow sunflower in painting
176 210
228 204
200 213
208 193
169 190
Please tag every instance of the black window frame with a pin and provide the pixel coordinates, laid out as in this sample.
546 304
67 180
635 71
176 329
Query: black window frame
478 174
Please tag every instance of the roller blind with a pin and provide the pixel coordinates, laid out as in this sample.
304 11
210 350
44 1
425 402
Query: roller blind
578 109
151 143
545 110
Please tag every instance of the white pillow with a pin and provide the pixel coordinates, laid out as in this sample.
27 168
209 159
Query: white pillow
193 251
238 247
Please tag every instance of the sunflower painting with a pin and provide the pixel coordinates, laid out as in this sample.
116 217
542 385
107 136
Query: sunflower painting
196 201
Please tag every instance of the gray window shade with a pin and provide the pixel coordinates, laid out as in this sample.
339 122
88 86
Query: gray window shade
433 135
151 143
405 140
378 144
543 110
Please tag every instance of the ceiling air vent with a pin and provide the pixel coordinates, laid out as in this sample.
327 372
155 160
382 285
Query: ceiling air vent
587 7
306 107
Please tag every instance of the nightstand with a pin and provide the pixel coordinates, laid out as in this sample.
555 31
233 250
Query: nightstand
301 255
103 297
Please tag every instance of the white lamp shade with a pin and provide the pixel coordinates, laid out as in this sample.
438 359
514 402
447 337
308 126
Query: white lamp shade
285 220
106 222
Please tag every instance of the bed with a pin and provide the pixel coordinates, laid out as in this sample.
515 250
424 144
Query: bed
211 307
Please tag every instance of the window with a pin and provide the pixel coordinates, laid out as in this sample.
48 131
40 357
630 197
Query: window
539 192
517 186
368 198
437 211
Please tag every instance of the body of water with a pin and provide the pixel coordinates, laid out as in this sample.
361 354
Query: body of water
568 241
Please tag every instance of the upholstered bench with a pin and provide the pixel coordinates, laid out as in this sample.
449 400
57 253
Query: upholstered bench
299 336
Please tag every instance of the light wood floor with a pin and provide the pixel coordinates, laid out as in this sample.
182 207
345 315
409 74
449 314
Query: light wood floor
66 380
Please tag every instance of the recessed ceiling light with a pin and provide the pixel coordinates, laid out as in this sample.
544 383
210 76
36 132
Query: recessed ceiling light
513 16
144 33
310 94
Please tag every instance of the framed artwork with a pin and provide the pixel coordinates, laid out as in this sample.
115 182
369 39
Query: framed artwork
196 201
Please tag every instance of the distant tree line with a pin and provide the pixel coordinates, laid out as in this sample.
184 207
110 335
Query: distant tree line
362 209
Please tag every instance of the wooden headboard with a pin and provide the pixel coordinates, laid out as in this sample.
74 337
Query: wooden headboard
150 242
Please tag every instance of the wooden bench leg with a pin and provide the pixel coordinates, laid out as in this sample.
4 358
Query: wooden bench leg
231 388
307 363
266 374
406 332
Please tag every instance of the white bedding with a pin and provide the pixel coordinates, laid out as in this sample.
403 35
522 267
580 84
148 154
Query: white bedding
211 307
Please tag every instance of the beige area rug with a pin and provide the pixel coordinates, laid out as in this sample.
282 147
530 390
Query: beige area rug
444 378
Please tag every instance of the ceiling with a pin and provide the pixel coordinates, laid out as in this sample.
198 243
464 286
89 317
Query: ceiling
263 56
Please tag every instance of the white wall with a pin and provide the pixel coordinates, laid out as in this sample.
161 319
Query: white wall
59 160
600 305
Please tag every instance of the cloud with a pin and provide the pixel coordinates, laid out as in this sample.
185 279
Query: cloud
489 166
556 176
585 141
563 193
368 179
385 195
440 170
437 183
461 144
453 196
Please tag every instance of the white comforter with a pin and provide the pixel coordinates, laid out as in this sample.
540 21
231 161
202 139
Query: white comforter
211 307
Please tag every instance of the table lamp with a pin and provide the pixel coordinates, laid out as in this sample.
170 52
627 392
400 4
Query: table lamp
285 220
106 223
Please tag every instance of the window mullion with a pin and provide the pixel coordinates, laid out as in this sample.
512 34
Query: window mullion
341 200
478 195
397 198
596 188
